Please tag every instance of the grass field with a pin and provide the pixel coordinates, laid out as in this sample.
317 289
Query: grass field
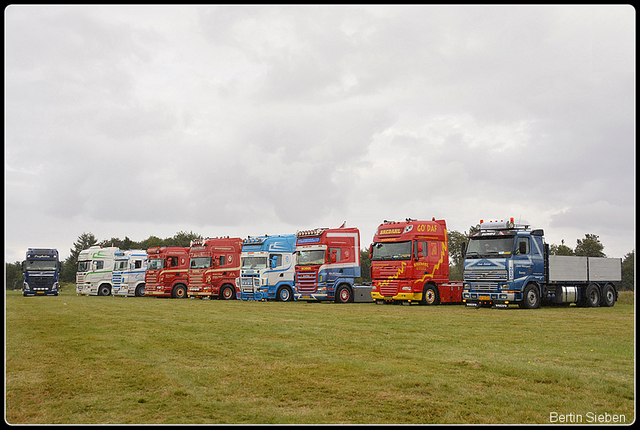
77 360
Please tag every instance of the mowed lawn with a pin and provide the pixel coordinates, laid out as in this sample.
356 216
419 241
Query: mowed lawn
77 360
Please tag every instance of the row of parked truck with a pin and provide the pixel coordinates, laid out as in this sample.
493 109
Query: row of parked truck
504 263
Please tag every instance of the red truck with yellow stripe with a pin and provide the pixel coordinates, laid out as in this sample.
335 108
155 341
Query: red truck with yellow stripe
410 263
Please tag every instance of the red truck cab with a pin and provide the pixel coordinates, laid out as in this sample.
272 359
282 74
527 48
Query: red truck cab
214 265
166 274
410 263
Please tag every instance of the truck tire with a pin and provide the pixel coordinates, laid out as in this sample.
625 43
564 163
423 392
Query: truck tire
530 297
608 296
343 294
592 296
430 295
179 291
104 290
227 293
139 290
284 294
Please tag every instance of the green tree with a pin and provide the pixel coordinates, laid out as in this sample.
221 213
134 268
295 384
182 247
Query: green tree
85 240
14 276
182 238
456 242
365 267
590 246
628 266
561 249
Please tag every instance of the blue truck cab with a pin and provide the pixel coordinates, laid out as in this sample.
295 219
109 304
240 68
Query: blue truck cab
268 268
41 270
501 261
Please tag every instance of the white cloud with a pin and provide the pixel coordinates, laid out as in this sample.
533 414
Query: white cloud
136 120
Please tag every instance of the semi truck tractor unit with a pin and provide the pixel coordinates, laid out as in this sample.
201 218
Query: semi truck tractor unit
167 273
508 263
129 273
327 263
95 269
41 270
410 263
268 268
214 265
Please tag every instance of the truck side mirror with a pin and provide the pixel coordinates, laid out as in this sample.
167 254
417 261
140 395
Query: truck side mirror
370 251
22 265
273 262
333 256
463 249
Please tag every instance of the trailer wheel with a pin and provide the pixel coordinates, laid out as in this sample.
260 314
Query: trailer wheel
179 292
227 293
343 294
531 297
592 296
608 296
104 290
430 295
284 294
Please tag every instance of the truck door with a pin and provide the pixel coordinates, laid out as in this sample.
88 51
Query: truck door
274 269
522 262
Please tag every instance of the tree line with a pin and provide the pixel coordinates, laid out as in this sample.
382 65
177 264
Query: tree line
590 246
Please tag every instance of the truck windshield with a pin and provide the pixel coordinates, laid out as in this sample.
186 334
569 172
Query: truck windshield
84 266
120 265
254 263
391 251
488 247
41 265
155 264
307 258
200 262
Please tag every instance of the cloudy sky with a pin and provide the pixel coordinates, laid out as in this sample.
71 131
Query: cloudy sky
139 121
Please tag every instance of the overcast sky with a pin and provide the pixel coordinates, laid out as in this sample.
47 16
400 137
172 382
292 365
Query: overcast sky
229 120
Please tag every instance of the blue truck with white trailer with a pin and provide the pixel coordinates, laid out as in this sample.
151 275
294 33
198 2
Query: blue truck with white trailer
508 263
268 268
41 270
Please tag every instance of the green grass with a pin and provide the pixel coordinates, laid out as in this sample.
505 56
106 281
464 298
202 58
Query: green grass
77 360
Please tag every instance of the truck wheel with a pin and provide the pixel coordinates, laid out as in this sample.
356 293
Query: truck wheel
140 290
608 296
179 292
104 290
284 294
592 296
531 297
228 292
343 294
430 295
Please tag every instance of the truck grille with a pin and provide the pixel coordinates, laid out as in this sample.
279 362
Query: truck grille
247 283
485 276
388 288
307 281
117 279
40 281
